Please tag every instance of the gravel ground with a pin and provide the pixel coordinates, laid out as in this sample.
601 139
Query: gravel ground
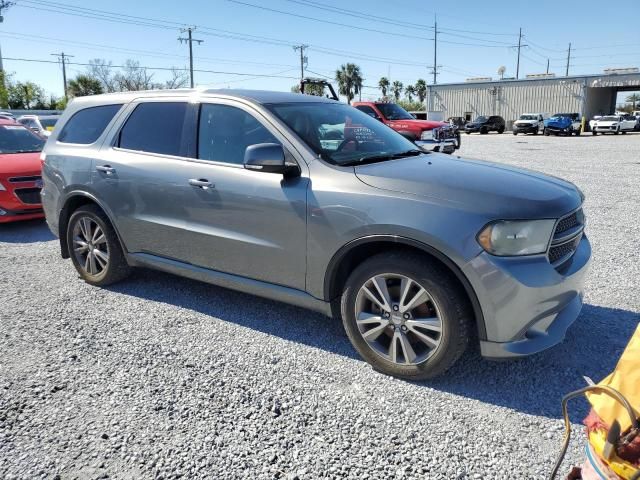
161 377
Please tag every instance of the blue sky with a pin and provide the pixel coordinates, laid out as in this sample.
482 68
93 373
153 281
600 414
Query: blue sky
399 45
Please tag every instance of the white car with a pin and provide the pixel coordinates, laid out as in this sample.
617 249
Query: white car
614 124
40 124
529 123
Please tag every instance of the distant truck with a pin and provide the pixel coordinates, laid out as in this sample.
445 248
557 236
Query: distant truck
529 123
427 134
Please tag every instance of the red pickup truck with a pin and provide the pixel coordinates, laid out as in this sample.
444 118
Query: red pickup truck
436 136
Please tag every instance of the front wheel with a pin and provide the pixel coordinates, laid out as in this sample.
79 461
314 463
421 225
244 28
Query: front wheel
406 315
546 132
515 133
616 132
94 247
594 133
501 130
578 132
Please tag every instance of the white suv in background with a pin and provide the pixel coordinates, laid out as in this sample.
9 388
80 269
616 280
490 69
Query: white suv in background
614 124
529 123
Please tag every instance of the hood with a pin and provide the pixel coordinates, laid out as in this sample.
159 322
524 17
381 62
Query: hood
526 122
561 122
605 123
494 190
417 124
20 164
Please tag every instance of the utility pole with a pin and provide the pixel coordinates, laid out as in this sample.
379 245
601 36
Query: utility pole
568 60
303 58
4 5
63 58
519 45
190 41
435 51
547 66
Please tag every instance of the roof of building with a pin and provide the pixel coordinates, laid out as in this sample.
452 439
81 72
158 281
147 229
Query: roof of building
570 78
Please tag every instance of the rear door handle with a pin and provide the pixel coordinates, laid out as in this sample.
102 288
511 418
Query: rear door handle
106 169
201 183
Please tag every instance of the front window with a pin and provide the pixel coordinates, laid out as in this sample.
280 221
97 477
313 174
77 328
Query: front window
17 139
528 117
609 119
392 111
343 135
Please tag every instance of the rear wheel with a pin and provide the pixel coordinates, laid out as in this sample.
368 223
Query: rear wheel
624 133
405 315
94 247
501 130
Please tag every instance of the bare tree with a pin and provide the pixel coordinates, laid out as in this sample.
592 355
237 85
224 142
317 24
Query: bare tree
101 70
133 77
179 79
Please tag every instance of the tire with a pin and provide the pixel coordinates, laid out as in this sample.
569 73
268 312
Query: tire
445 303
484 131
624 133
577 132
546 132
616 132
501 130
515 133
594 133
535 132
467 133
110 265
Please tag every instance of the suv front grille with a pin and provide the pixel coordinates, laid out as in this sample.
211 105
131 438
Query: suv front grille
566 239
29 196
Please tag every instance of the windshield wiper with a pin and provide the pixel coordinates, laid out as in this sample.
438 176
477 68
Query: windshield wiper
380 157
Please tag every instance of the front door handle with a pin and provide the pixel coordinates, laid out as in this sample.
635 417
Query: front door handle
106 169
201 183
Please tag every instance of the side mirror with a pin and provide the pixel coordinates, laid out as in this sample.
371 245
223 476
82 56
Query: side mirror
268 158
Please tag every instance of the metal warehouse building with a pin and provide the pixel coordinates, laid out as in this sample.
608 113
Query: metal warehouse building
588 95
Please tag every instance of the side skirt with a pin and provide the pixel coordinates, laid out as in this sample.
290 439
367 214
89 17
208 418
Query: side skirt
234 282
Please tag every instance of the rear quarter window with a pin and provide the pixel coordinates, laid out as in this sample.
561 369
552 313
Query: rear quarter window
86 126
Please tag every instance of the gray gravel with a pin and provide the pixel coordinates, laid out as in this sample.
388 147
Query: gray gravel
161 377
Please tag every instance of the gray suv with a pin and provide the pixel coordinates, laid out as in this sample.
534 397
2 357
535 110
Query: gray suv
309 201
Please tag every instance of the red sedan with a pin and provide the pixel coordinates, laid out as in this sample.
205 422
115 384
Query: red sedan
20 172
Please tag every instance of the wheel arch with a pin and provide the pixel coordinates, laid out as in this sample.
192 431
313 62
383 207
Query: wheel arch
74 201
355 252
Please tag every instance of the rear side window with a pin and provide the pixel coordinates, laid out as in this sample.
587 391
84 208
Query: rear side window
155 127
87 125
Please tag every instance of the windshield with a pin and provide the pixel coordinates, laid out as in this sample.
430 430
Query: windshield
392 111
481 119
48 123
341 134
565 115
528 117
609 119
17 139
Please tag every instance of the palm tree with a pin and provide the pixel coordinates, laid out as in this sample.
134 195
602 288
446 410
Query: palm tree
383 85
349 80
421 89
633 99
396 88
84 85
410 91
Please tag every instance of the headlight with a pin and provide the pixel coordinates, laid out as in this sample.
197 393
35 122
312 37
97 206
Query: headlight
510 238
2 189
426 135
614 124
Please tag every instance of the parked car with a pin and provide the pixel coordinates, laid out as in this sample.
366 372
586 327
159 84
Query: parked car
483 125
417 252
563 123
20 172
529 123
7 116
459 122
593 120
41 124
429 135
614 124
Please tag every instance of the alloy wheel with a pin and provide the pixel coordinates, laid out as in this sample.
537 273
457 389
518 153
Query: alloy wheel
90 246
398 319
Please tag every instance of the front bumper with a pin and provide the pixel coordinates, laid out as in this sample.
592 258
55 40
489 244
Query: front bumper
12 209
527 305
525 128
604 129
557 130
445 146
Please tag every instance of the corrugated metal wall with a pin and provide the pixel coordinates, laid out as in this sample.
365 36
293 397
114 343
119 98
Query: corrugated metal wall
508 100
